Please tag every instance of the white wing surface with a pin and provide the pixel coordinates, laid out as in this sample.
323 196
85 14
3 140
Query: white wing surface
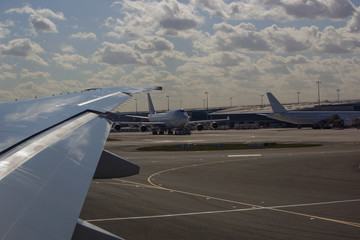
49 151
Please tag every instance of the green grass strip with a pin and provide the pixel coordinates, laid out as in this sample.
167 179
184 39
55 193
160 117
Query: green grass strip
225 146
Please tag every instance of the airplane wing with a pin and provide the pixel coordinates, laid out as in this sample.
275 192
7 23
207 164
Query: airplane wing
49 151
137 116
209 121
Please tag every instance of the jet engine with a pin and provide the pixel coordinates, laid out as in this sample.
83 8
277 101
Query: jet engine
117 127
199 127
214 125
346 122
143 128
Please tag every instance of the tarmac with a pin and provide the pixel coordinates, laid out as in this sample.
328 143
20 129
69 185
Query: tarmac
289 193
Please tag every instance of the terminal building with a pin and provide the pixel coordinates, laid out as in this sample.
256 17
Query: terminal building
249 117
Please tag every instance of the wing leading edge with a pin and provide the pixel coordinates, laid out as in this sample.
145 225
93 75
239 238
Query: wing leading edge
48 159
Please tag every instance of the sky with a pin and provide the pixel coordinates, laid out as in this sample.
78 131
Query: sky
236 50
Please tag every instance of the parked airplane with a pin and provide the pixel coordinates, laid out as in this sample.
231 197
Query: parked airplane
177 120
50 150
318 119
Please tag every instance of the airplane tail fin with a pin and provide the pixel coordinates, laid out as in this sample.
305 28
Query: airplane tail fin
151 105
275 104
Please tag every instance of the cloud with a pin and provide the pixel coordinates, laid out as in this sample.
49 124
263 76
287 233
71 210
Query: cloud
83 35
227 59
177 24
69 61
5 67
315 9
215 8
354 23
3 28
142 18
152 44
22 47
26 74
7 75
242 36
67 48
43 24
284 10
39 19
274 39
117 54
31 89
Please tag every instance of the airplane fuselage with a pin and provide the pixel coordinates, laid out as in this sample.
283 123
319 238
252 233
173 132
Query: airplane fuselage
313 117
177 118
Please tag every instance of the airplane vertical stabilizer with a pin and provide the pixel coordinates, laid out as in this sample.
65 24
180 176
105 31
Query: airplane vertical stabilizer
151 106
275 104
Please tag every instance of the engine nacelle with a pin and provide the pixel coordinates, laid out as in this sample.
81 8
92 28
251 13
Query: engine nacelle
347 122
117 127
214 125
199 127
143 128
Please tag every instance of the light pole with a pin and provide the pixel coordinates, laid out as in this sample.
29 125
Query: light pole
298 93
318 83
204 102
168 102
207 100
338 98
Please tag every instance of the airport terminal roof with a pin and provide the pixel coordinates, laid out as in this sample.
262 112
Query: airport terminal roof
254 109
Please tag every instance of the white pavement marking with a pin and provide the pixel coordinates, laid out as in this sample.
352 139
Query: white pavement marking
245 155
223 211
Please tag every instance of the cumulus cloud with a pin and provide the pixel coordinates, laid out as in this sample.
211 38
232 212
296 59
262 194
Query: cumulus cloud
39 19
5 67
227 59
354 24
31 89
67 48
332 9
152 44
117 54
3 28
242 36
83 35
284 10
22 47
7 75
146 17
273 39
26 74
69 61
43 24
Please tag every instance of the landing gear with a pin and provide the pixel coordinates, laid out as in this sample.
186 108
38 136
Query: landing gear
156 132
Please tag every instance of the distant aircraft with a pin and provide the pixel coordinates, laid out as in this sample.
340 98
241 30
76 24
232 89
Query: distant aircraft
50 150
318 119
177 120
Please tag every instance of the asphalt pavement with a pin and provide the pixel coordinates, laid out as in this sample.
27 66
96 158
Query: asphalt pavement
296 193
